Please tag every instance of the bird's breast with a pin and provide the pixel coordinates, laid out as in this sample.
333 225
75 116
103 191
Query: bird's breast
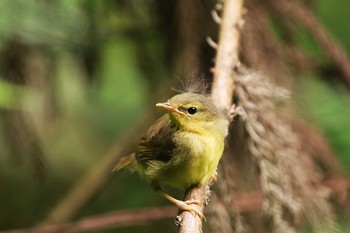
196 157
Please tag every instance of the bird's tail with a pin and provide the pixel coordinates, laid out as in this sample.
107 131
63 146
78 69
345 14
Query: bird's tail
125 162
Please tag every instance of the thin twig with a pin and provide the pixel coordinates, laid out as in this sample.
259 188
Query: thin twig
222 90
227 54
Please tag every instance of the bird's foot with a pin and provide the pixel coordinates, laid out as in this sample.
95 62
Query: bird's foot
192 202
183 205
186 206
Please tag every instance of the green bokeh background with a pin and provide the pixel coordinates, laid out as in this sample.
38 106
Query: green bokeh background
103 63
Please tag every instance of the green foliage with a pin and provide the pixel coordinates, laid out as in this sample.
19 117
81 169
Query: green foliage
9 93
96 64
329 108
335 16
308 44
52 23
77 114
119 69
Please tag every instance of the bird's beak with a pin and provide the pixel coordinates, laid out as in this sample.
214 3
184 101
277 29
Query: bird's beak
168 106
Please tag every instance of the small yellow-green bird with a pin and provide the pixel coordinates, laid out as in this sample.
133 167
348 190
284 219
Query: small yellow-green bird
183 147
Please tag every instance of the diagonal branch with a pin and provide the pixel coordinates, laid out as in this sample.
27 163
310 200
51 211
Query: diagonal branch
115 219
245 202
96 178
298 12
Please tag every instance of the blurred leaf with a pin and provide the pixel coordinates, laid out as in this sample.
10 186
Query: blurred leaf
329 108
9 95
121 91
39 22
71 86
335 16
307 42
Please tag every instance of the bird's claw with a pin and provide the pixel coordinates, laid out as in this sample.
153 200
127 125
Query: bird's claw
186 206
192 202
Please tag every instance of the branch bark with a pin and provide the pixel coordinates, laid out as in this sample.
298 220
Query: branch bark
245 202
227 53
190 222
222 91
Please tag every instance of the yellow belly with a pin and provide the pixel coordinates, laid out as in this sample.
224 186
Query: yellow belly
195 165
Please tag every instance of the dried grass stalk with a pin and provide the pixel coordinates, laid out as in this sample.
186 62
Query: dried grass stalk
291 185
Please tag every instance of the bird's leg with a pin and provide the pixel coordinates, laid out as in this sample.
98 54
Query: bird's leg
183 205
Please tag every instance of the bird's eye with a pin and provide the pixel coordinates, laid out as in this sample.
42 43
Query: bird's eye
192 110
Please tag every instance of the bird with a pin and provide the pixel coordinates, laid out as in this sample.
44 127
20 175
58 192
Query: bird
182 148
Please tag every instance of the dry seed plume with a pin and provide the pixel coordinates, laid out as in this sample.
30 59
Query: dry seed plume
291 185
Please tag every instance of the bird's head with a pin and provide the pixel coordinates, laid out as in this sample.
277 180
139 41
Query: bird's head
195 113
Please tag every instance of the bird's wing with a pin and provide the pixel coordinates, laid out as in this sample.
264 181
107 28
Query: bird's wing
157 143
